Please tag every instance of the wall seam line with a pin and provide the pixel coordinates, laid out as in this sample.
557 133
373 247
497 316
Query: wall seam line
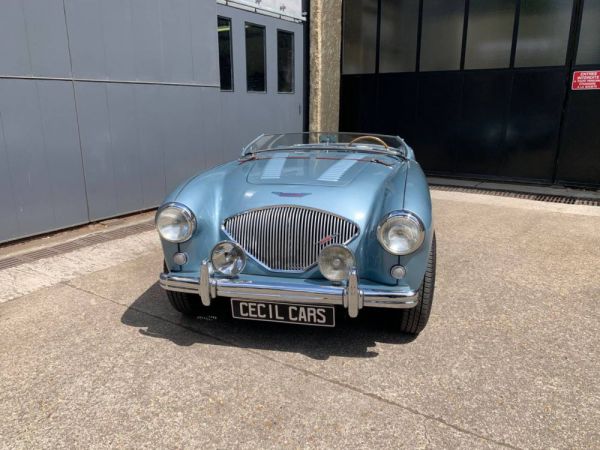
72 80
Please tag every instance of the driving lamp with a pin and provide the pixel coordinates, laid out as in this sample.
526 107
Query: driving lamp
228 258
401 233
175 223
335 262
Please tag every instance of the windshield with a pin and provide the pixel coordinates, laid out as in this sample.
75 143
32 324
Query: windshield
374 143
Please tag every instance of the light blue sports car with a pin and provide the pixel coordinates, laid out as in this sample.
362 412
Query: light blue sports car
301 228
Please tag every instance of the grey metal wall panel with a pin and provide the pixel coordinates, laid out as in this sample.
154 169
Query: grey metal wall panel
118 41
94 132
147 35
86 38
177 40
24 138
47 38
183 132
111 144
204 42
33 38
125 148
9 225
64 164
140 141
152 143
42 154
170 41
14 54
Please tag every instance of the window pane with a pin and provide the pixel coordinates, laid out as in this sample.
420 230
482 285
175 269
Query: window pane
360 32
543 33
589 38
285 61
441 39
489 34
398 41
225 61
255 58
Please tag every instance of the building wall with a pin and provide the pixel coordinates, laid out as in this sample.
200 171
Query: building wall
107 105
247 114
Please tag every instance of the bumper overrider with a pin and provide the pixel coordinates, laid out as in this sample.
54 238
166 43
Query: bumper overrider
352 295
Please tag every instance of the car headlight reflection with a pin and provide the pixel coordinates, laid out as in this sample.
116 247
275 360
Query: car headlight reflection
175 223
335 262
228 258
401 233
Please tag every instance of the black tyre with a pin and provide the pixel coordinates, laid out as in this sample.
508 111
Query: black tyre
187 304
413 320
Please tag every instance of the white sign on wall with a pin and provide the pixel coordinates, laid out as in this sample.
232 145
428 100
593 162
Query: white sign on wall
288 8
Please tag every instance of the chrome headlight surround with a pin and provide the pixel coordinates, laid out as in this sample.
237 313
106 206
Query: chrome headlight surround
408 223
175 215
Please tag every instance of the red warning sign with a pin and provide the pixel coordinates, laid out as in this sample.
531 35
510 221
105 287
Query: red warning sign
583 80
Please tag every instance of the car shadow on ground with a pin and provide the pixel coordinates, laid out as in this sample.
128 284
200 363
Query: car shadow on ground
155 317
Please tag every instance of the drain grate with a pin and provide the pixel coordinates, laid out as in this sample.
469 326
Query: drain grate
523 195
86 241
10 262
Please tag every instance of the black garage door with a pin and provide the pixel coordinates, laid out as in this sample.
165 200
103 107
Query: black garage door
480 88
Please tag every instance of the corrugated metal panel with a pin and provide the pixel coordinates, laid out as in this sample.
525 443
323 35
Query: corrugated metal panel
140 141
63 162
47 38
33 38
42 155
86 38
9 226
143 40
149 122
14 54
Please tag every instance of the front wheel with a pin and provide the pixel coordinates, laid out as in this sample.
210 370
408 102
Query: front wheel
187 304
413 320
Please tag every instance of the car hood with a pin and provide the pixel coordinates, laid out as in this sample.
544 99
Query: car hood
351 185
311 168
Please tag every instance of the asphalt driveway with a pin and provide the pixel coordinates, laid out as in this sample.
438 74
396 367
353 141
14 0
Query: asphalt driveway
92 355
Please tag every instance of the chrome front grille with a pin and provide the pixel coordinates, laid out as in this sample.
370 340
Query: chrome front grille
288 238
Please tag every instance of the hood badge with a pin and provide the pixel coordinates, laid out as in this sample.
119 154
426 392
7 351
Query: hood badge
291 194
328 239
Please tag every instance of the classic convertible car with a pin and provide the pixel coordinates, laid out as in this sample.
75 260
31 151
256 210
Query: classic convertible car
302 227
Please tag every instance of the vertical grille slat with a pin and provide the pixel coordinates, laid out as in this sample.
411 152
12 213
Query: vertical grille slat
288 238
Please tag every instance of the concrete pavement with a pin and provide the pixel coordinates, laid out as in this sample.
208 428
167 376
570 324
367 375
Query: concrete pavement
509 357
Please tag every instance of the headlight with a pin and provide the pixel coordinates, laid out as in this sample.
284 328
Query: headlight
335 262
175 222
228 258
401 232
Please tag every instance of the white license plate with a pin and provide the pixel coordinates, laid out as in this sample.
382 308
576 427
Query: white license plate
315 315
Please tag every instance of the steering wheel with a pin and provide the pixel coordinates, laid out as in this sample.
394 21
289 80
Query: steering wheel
368 138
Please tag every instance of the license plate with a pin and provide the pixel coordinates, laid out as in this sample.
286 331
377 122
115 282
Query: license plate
320 316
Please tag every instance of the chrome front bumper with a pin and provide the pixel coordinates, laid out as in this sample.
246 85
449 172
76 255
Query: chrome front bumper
351 296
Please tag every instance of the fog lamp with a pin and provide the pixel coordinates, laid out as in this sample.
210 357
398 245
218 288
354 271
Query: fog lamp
228 258
335 262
